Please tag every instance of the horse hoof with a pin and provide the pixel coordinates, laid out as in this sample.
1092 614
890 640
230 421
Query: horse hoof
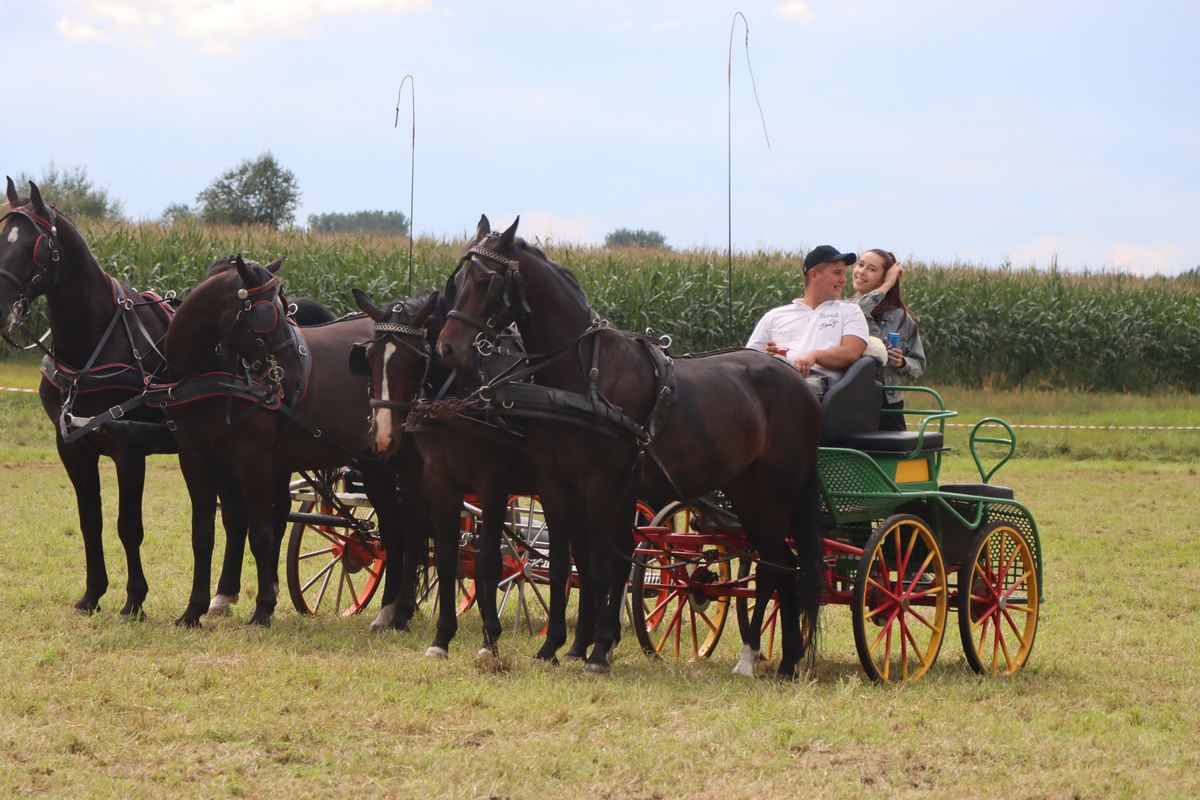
220 605
574 655
87 607
437 652
135 614
488 652
187 621
745 664
262 620
596 668
384 619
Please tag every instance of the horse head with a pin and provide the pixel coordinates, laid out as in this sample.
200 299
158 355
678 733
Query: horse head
488 295
237 308
397 359
29 253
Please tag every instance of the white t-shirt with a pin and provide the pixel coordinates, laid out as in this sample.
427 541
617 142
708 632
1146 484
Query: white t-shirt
801 329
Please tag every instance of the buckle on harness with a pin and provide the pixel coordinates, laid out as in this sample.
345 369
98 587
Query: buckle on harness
116 412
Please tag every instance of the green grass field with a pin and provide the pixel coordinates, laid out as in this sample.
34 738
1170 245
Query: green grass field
1107 707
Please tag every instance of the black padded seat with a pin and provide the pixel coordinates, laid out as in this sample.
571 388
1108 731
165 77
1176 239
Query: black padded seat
892 442
853 404
979 490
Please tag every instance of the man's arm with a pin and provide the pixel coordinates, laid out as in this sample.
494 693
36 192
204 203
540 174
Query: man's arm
850 350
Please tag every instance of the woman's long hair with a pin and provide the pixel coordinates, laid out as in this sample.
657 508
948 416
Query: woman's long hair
893 298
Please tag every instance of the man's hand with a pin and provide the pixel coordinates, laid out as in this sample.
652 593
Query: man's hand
805 363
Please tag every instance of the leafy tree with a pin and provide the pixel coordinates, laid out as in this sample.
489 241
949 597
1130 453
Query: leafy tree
178 212
256 192
624 237
73 191
384 222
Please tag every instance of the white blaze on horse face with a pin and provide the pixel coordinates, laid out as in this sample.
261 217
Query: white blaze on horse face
383 414
14 233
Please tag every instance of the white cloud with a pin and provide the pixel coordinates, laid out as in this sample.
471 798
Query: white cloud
547 227
1145 259
1079 251
796 10
75 31
668 25
215 25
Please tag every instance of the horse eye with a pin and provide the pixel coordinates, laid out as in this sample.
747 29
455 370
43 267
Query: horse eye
483 283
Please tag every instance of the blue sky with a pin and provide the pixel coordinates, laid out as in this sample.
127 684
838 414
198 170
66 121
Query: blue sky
1020 131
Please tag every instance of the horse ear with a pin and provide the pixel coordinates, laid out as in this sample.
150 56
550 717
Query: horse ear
364 302
243 270
506 238
483 228
426 311
35 198
13 199
274 266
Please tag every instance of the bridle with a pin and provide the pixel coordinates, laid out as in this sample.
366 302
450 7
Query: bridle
45 253
261 311
398 332
498 308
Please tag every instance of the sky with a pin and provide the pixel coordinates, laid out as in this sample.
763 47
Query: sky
1020 132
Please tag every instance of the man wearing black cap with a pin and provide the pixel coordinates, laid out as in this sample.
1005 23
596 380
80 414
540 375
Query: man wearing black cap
819 334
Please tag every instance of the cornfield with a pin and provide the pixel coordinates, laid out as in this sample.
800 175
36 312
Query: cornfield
999 327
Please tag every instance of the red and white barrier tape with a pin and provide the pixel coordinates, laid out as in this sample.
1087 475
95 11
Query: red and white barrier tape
1091 427
14 389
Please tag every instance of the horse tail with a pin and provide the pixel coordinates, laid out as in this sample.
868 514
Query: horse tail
810 555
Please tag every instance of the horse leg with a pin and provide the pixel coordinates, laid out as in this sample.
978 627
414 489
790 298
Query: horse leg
202 490
399 582
131 482
765 520
445 506
488 568
281 506
619 581
233 519
83 468
560 521
585 620
609 529
256 480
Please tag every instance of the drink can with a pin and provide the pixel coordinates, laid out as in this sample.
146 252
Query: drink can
893 340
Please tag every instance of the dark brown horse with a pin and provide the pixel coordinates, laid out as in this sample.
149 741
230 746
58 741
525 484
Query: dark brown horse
738 421
105 338
305 411
462 455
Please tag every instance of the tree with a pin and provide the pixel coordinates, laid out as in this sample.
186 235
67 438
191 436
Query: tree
624 237
385 222
73 191
178 212
256 192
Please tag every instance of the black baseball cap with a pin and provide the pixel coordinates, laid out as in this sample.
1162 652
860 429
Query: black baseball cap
824 253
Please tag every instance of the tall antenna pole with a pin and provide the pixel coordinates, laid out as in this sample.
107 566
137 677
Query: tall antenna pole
729 154
412 164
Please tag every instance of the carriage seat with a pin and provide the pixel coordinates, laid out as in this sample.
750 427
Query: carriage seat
853 404
979 490
851 410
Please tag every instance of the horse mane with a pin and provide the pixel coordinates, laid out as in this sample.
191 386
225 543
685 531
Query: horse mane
566 275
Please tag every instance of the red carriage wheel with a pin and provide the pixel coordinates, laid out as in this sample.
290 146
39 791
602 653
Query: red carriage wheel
900 601
998 601
330 568
671 611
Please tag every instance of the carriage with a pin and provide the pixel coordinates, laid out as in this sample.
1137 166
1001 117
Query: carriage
900 549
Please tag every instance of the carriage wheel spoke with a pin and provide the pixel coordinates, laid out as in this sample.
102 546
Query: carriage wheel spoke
324 571
324 585
315 553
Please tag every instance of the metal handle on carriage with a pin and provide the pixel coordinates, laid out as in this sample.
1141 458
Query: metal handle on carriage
975 438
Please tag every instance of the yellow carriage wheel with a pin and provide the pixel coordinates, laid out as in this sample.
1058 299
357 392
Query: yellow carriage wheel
998 601
671 613
900 601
